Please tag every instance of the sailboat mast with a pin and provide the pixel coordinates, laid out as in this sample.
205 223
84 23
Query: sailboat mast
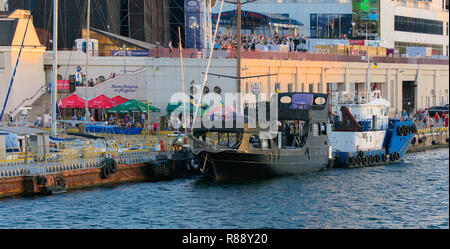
239 45
55 65
180 45
368 77
87 55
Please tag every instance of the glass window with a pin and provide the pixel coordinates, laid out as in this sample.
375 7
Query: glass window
418 25
315 129
2 63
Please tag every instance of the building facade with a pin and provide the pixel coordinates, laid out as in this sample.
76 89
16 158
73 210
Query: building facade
415 24
29 77
149 20
398 23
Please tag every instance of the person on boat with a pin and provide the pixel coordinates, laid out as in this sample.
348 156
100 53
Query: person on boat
446 120
436 117
404 115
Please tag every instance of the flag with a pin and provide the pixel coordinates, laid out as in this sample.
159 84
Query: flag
375 65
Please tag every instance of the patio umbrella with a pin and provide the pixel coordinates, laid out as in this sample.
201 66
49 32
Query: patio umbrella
73 101
100 102
132 106
118 100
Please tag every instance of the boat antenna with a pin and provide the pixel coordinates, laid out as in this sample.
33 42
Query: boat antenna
55 65
87 56
180 45
199 103
368 76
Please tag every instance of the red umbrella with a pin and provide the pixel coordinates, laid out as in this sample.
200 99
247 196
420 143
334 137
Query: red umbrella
100 102
118 100
73 101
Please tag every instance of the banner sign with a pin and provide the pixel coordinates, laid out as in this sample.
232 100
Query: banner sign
135 53
63 85
356 42
194 26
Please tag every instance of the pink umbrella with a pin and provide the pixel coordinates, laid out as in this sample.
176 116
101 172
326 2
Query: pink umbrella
118 100
223 111
100 102
73 101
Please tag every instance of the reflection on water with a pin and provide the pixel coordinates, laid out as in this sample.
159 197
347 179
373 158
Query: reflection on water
411 194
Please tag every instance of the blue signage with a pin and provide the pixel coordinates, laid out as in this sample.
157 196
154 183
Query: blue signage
137 53
193 22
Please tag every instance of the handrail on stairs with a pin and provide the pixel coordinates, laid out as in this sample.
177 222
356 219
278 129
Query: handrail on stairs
27 99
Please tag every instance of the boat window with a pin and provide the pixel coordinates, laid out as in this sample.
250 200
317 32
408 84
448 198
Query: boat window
319 101
323 129
254 140
286 100
315 129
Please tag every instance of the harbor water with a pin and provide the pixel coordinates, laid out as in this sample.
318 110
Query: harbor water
410 194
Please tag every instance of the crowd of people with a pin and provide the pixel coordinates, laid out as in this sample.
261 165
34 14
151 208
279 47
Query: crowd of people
92 83
249 42
423 118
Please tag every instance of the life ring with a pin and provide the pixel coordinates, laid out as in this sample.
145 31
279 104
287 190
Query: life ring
414 129
41 180
365 160
354 161
413 141
400 130
377 158
105 172
407 130
392 157
397 155
384 157
360 160
61 181
113 166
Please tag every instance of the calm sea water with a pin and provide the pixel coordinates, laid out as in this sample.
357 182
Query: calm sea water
411 194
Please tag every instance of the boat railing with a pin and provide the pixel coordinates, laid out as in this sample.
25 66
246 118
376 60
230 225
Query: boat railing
366 124
43 159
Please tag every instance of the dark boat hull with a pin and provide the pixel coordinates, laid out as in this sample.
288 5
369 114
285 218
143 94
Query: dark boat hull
235 165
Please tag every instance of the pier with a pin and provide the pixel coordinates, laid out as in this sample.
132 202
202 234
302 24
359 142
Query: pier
129 160
92 164
430 139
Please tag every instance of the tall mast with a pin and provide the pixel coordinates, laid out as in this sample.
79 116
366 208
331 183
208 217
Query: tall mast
180 45
368 76
87 56
239 45
55 65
